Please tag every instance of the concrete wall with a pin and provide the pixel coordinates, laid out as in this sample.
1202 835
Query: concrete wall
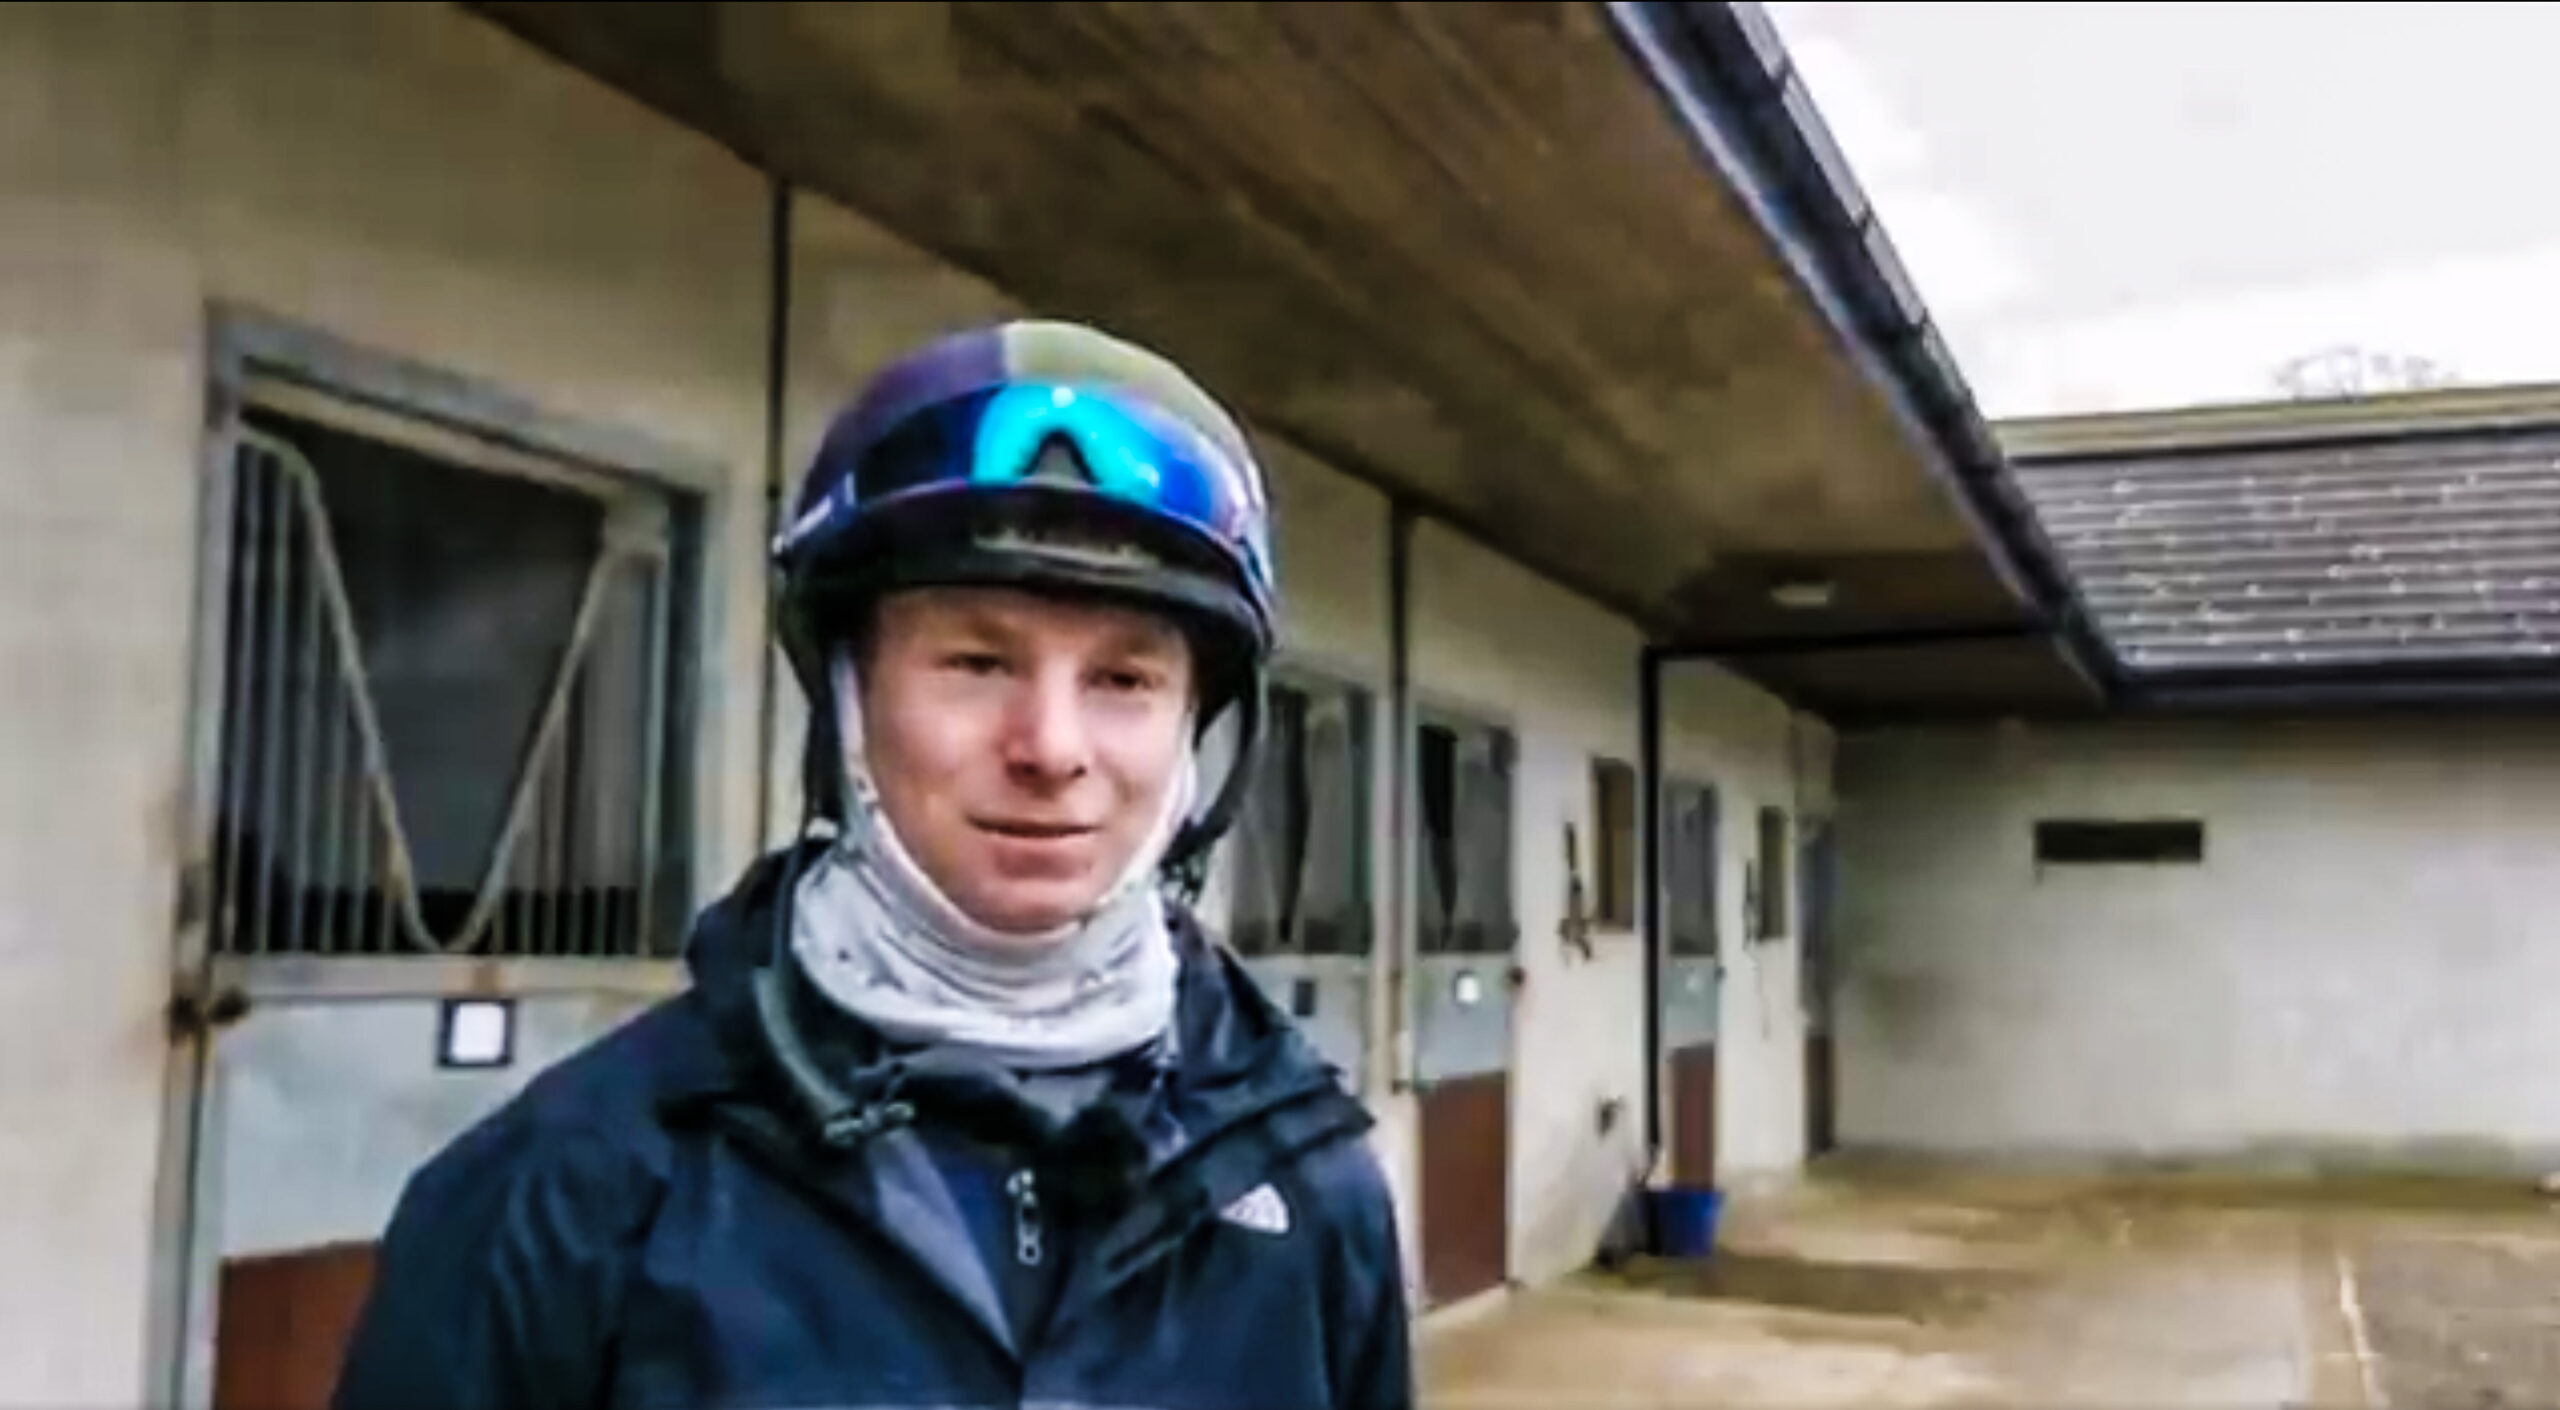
1494 643
415 183
401 178
2361 965
1757 753
324 1109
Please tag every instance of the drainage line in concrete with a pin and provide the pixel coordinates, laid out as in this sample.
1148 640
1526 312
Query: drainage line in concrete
2351 1307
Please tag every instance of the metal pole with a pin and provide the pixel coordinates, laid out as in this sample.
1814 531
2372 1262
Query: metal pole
1649 786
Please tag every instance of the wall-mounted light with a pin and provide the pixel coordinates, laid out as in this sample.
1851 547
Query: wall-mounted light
476 1033
1804 594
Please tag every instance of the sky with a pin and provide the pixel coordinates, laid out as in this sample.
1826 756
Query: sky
2116 207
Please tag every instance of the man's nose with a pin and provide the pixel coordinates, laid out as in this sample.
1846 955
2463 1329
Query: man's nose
1045 737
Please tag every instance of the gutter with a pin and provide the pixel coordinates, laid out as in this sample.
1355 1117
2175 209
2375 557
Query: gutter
2407 682
2434 698
1726 73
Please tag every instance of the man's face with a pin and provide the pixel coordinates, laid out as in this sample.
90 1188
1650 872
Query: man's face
1023 746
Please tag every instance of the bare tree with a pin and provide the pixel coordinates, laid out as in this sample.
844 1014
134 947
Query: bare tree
2347 371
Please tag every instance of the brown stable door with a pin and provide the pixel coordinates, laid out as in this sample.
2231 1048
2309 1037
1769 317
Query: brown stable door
285 1320
1692 976
1465 986
1693 1115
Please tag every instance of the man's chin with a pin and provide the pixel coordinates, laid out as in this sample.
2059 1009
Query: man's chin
1031 914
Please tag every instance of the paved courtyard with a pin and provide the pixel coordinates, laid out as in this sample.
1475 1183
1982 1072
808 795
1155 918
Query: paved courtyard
1875 1287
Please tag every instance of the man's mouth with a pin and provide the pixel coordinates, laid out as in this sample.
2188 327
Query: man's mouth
1021 831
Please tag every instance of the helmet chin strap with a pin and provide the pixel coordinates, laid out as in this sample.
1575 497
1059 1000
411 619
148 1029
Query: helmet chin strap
1185 864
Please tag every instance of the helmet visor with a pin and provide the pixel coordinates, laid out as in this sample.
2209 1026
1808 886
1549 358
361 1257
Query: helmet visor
1080 438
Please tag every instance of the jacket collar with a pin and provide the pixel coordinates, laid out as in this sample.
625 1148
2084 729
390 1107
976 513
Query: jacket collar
1235 1057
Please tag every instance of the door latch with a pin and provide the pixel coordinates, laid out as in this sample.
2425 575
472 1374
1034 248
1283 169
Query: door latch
196 1010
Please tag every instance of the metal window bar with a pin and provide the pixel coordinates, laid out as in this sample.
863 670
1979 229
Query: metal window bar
1271 880
1689 868
313 855
1466 805
1333 912
1299 885
1814 881
1482 911
1436 862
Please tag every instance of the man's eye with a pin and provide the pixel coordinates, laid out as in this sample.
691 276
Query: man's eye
975 662
1131 682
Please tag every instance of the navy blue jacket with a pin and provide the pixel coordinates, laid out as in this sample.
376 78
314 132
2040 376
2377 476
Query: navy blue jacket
652 1223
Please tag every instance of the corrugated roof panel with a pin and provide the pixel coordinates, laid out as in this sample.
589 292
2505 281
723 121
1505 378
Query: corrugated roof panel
2315 556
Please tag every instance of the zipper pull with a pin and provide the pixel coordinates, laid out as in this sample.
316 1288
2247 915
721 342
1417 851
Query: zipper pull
1026 1217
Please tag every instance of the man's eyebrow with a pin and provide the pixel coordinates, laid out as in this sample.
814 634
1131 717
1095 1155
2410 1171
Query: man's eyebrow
1145 641
970 621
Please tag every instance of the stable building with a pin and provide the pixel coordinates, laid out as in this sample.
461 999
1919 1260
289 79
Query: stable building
403 397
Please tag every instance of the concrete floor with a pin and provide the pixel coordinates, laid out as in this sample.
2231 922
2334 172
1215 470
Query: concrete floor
1878 1287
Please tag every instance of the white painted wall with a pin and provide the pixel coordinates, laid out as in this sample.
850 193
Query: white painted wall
1498 644
410 180
401 177
1721 730
2362 964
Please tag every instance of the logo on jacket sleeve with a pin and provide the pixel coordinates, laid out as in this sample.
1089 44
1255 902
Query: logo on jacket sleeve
1260 1209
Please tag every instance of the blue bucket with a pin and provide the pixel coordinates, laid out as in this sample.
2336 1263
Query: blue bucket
1684 1221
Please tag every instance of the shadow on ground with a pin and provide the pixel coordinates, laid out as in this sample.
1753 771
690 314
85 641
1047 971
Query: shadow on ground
1910 1292
1902 1287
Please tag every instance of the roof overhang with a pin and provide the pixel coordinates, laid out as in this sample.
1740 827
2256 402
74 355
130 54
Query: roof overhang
1580 280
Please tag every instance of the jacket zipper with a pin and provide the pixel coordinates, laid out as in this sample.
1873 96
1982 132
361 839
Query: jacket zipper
1025 1189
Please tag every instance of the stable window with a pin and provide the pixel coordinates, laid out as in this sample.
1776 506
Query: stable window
1774 887
1298 873
1613 843
1689 868
454 714
2114 842
1463 783
1817 885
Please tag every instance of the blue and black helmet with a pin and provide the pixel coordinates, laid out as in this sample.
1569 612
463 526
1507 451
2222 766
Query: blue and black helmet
1045 455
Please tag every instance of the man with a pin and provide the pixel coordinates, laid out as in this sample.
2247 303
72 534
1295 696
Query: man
961 1108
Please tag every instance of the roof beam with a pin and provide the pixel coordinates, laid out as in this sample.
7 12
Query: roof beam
1826 643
